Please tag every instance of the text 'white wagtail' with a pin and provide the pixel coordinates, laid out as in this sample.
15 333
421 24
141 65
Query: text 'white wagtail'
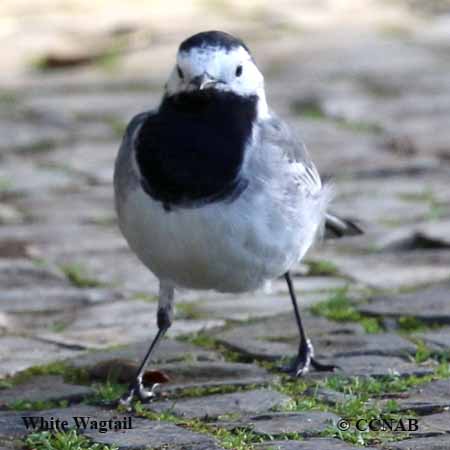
213 191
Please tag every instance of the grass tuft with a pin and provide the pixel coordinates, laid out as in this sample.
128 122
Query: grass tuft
70 440
322 268
79 277
25 405
339 308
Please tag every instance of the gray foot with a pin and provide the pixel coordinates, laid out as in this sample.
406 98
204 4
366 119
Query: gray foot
304 360
137 391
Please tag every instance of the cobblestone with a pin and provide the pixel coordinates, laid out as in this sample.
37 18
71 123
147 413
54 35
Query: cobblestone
366 86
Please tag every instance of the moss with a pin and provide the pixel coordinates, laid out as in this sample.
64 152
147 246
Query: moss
321 268
208 342
25 405
118 126
411 324
189 311
338 307
58 327
69 373
78 275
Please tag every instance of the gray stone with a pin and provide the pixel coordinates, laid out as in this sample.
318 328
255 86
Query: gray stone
19 353
169 351
96 105
34 177
87 205
426 398
12 424
56 243
22 273
29 137
144 433
97 166
44 388
431 305
212 374
385 344
54 299
376 366
10 215
436 340
433 424
119 323
307 424
428 443
278 336
154 434
213 406
245 307
329 396
393 270
305 284
184 375
308 444
126 272
425 235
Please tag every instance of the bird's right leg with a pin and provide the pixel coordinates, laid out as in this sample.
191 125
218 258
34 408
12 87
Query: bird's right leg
164 321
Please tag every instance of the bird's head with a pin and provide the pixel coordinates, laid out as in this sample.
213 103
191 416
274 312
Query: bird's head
215 61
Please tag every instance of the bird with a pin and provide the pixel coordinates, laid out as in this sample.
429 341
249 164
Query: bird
213 191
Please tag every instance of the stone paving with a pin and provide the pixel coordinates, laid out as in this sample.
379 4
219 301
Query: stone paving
366 84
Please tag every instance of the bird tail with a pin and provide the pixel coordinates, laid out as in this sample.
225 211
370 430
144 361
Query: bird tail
337 227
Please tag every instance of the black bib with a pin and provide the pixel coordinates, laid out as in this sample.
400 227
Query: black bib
191 152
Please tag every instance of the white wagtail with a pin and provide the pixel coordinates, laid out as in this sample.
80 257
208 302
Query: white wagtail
213 191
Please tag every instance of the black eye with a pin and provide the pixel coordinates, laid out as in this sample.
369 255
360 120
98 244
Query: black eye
180 72
238 71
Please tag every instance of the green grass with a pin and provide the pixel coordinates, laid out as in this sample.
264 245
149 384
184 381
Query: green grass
214 390
189 311
309 109
70 440
78 275
118 126
236 439
423 353
368 386
338 307
25 405
321 268
6 184
107 393
8 98
208 342
145 297
57 327
361 406
69 373
411 324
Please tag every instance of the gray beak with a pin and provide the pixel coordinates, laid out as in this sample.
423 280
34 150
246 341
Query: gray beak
202 81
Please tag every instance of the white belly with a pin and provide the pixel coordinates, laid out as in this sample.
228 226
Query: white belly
226 247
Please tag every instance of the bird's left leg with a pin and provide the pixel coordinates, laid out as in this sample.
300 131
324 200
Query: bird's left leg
164 321
305 356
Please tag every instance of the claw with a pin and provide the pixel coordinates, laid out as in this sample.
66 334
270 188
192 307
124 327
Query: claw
138 390
304 360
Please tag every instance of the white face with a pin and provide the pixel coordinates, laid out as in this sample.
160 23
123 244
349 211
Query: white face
214 67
